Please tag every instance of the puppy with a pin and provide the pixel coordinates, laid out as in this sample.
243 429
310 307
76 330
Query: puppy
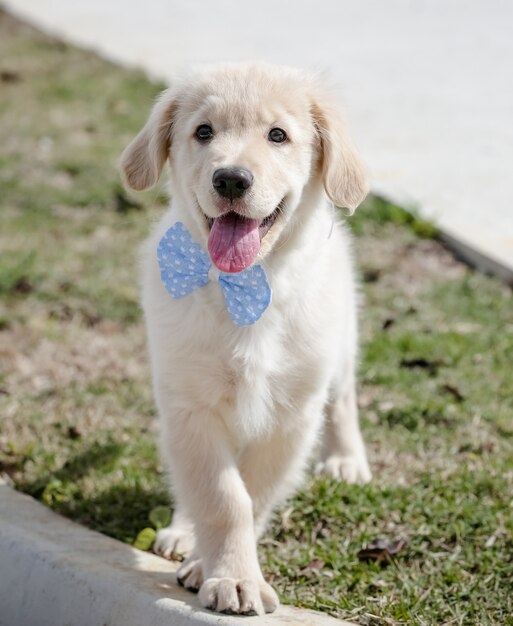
250 305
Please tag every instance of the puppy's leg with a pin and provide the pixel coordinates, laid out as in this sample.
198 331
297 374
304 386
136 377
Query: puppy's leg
272 469
207 481
343 453
177 540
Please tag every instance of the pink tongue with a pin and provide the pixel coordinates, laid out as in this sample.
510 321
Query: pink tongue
234 242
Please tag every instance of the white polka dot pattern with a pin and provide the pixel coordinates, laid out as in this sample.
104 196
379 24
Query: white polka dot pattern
247 294
183 263
184 267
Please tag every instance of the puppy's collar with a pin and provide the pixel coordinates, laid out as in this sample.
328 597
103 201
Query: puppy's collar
185 266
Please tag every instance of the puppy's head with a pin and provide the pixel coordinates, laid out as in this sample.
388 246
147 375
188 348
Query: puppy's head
243 143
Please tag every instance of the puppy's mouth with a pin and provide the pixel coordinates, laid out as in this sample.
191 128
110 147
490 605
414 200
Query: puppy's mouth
234 240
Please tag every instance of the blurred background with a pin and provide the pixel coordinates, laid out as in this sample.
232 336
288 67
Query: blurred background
427 86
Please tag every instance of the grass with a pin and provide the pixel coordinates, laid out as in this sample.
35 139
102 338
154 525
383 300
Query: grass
77 427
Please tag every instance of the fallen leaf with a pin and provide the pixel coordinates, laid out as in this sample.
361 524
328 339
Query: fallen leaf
74 433
390 321
430 366
311 569
381 551
23 285
371 275
8 76
145 539
454 392
160 517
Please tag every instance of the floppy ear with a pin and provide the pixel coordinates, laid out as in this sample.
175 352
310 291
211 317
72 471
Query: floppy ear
342 172
143 159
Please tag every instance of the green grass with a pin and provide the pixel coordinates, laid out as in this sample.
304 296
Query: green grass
78 426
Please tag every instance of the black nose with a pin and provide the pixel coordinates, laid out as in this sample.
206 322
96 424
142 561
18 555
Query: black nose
232 182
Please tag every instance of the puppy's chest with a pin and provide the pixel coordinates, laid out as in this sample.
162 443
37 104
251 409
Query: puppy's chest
250 378
260 385
253 394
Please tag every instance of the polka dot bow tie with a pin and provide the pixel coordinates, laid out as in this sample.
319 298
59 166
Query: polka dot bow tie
185 267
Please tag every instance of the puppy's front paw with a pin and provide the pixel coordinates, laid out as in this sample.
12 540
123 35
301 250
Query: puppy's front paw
174 543
238 596
190 574
352 469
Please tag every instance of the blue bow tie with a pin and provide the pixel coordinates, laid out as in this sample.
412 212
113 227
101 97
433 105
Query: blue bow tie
185 267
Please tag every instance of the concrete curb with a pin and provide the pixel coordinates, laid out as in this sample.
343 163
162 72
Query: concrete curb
482 262
54 572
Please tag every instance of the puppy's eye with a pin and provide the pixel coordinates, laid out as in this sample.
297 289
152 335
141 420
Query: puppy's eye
277 135
204 132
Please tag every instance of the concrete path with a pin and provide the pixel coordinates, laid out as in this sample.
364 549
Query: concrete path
56 573
428 85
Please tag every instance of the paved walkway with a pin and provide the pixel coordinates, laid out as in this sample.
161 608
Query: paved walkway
428 85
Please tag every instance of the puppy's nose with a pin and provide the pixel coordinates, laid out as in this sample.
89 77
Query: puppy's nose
232 182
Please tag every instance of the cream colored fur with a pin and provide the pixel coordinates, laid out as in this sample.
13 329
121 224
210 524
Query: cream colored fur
242 409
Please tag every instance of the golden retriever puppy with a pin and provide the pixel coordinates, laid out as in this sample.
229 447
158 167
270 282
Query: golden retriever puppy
250 305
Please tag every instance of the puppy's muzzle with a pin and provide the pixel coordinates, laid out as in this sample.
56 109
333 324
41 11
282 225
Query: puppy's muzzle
232 182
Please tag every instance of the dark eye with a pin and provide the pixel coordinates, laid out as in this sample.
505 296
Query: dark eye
277 135
204 132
